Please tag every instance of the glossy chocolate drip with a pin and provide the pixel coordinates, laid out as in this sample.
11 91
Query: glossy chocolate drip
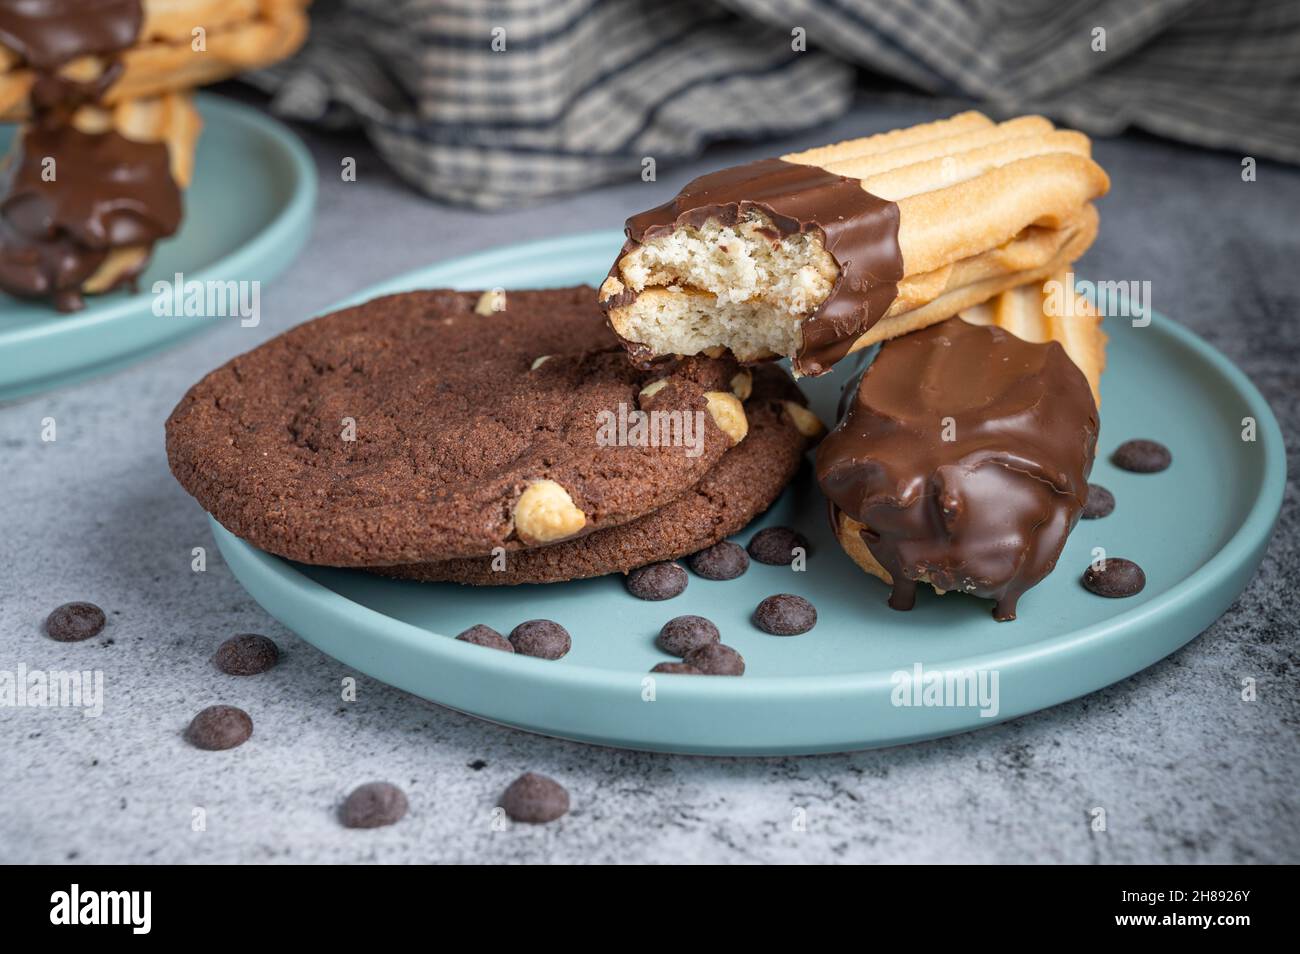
108 192
45 34
988 511
858 229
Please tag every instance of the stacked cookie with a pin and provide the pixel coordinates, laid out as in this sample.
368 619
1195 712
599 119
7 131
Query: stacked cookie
109 127
483 438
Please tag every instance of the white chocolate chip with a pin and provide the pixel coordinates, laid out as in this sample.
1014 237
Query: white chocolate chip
490 302
807 423
651 389
742 385
545 513
728 413
537 363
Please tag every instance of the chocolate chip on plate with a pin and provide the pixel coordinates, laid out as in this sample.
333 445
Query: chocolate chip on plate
219 727
246 655
1116 578
658 581
722 561
683 633
373 805
775 545
1142 456
73 622
543 638
535 799
1101 503
716 659
481 635
681 668
785 615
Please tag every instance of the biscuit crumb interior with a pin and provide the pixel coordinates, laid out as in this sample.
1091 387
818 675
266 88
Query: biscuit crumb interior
743 286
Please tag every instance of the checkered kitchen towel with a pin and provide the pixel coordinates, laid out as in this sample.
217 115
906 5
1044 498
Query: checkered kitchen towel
497 102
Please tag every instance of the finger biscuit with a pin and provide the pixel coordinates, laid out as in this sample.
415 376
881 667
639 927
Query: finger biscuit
962 461
87 200
119 50
823 252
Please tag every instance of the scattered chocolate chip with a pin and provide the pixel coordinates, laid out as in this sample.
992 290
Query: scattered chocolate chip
219 727
535 799
542 638
785 615
481 635
658 581
1101 502
246 655
716 659
1117 577
722 561
775 545
683 633
1142 456
680 668
73 622
373 805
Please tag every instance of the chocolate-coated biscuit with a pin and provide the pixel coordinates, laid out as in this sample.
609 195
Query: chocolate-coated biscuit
743 484
438 424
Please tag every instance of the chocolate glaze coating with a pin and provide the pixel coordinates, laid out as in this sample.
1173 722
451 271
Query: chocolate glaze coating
45 34
986 511
108 192
858 229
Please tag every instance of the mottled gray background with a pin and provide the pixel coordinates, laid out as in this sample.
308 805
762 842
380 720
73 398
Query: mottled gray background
1186 771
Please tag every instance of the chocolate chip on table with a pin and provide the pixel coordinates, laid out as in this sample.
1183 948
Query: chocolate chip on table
1142 456
681 634
543 638
1101 503
535 799
722 561
373 805
775 545
658 581
716 659
1116 578
681 668
219 727
73 622
785 615
246 655
481 635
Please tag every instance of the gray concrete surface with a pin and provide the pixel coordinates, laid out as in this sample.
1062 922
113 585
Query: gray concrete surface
1186 770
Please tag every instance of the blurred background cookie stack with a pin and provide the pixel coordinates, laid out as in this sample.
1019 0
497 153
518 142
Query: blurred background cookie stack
102 90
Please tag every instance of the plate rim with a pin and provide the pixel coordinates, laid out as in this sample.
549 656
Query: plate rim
1250 537
302 203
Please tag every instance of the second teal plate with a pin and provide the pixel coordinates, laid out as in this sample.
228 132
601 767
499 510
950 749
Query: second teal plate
248 212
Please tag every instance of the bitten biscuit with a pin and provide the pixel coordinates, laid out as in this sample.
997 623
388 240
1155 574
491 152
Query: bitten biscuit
823 252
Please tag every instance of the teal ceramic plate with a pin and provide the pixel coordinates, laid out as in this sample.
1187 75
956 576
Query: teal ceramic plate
1199 530
247 214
